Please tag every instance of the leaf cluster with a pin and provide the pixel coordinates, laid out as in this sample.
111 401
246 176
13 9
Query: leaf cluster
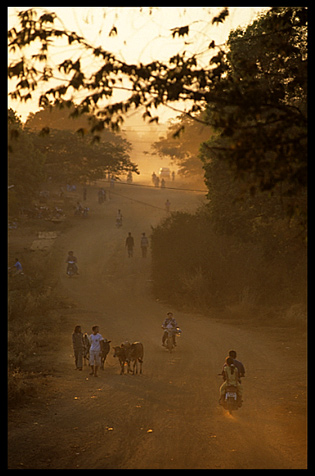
260 114
254 90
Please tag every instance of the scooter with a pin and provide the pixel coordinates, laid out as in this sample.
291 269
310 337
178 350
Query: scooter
72 269
169 341
231 399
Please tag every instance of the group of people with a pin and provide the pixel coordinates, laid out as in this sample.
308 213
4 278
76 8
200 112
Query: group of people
130 243
156 180
232 372
92 346
80 348
80 210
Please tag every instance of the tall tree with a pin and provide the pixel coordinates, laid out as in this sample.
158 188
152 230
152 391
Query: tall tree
182 143
25 165
255 90
261 109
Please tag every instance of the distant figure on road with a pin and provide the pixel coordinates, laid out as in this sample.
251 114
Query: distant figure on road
71 261
101 195
167 205
18 267
144 245
78 347
119 219
130 244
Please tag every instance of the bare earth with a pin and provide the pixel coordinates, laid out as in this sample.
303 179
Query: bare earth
169 417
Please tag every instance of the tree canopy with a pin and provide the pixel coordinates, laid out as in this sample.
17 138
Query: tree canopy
62 154
254 90
181 144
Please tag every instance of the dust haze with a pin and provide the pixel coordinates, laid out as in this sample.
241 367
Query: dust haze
168 417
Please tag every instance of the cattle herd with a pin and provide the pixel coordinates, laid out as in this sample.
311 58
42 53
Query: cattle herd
127 354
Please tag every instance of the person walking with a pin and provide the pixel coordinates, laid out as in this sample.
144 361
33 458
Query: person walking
144 245
18 267
95 350
78 347
130 244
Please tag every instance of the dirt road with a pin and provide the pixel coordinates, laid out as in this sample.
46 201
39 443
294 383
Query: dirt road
168 417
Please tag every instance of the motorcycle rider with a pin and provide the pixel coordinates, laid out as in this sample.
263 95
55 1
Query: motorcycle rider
231 377
169 323
72 262
240 367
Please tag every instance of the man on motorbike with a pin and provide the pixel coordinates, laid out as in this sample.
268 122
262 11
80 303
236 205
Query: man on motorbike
240 367
72 263
169 323
231 378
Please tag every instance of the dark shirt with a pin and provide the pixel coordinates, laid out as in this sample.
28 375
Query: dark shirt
240 367
129 242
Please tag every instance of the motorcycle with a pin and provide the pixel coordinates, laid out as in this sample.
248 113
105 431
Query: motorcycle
85 212
231 399
169 341
82 212
72 269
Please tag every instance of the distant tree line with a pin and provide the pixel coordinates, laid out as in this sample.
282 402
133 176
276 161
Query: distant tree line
56 152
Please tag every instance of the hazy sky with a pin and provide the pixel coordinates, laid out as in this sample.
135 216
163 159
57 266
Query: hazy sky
143 34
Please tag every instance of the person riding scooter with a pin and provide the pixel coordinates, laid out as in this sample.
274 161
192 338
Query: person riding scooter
72 263
231 378
169 323
240 367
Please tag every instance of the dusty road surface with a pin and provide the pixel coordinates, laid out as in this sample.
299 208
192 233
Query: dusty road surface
169 416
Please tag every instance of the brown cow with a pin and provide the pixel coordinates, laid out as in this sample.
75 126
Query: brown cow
105 347
87 345
120 352
134 353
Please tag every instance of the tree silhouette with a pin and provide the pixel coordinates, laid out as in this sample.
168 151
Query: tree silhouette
254 89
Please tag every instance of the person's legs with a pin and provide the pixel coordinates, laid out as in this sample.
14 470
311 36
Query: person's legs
222 392
164 338
97 363
80 360
92 362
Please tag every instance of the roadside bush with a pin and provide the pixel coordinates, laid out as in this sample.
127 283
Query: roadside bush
195 266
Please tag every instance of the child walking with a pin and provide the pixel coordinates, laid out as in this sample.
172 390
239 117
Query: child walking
78 347
95 350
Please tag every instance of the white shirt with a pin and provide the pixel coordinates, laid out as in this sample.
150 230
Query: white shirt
95 340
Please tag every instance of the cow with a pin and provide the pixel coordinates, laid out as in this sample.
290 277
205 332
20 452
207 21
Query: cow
87 345
105 347
134 353
120 352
